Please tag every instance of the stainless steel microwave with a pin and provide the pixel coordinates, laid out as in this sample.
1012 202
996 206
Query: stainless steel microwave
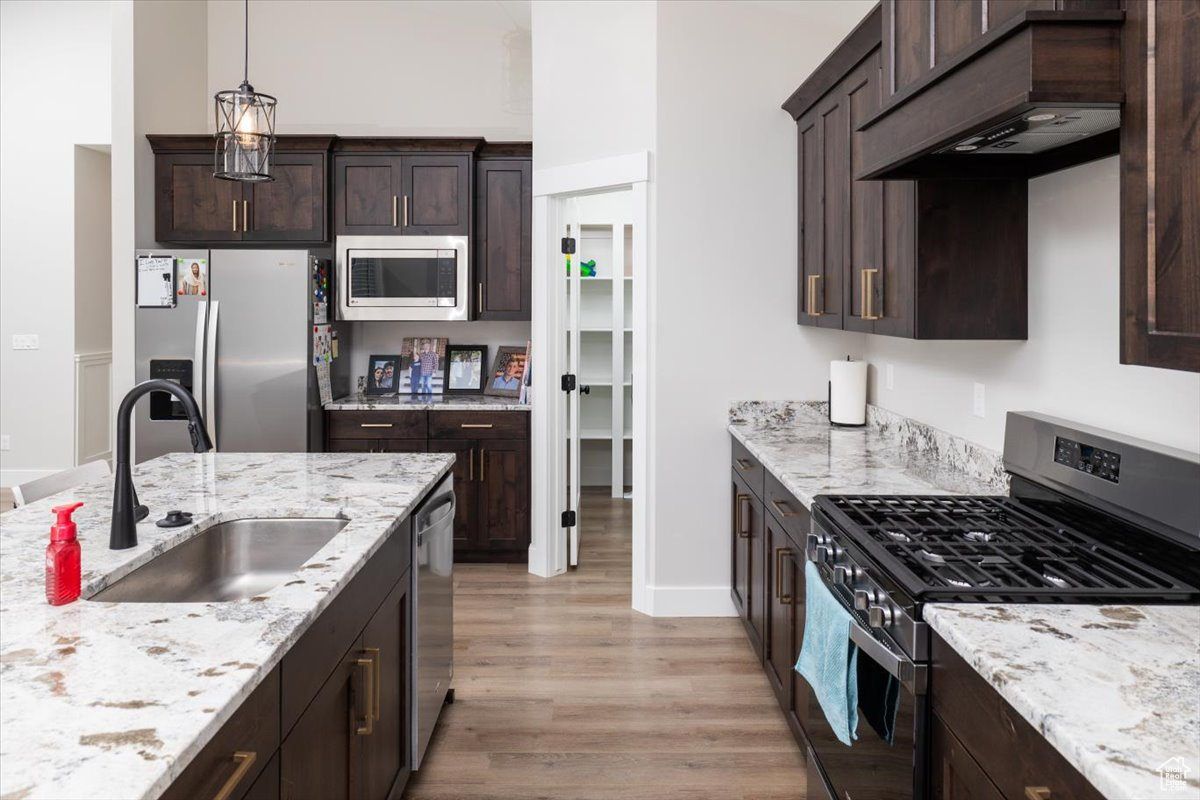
402 277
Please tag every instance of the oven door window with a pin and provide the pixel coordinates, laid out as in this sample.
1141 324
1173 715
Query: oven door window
403 278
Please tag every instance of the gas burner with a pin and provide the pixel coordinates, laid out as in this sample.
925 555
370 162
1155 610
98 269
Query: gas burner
978 536
1055 581
898 536
933 558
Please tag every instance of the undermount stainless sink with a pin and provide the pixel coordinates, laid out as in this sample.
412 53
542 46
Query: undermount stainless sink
229 561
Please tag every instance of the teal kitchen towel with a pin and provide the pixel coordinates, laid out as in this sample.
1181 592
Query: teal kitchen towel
828 661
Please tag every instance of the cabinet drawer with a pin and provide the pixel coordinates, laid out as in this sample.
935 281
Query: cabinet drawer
377 425
478 425
321 648
793 517
1006 747
748 468
253 728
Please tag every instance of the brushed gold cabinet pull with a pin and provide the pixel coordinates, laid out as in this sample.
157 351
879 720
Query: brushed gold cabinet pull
368 728
406 211
482 462
245 760
744 464
479 298
812 297
472 464
235 216
782 507
868 295
245 216
1037 793
784 599
476 425
377 701
394 220
374 424
742 527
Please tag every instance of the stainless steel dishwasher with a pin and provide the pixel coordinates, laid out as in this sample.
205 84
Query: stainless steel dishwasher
432 624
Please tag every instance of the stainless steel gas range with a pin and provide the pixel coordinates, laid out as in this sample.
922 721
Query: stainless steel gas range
1091 517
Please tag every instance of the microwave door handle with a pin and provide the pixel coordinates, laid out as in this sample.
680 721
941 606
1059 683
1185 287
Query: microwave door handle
198 357
210 374
912 676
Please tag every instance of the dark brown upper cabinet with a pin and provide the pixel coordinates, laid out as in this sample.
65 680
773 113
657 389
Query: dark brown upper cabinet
925 259
1160 187
503 242
191 206
994 87
406 187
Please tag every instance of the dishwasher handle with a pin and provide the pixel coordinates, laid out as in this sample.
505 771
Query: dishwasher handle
426 520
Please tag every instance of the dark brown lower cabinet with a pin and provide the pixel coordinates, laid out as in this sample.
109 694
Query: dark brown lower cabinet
956 776
320 756
266 786
779 650
385 763
491 469
749 554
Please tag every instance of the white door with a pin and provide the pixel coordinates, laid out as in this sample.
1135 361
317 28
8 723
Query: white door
571 285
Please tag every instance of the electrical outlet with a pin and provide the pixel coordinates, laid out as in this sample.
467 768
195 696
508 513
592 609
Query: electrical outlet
889 378
5 442
25 341
978 404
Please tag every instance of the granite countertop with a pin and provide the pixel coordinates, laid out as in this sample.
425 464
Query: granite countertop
1115 689
450 402
115 699
890 455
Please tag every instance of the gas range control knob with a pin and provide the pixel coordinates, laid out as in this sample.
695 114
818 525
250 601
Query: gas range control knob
880 615
864 598
845 576
818 555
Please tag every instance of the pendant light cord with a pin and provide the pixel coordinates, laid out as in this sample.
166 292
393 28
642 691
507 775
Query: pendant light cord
246 44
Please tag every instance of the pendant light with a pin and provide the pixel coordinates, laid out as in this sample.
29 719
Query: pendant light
245 127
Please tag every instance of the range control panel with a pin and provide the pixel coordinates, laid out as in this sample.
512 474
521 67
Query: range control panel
1086 458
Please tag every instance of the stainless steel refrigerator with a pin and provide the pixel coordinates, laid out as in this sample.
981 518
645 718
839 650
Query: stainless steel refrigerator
240 337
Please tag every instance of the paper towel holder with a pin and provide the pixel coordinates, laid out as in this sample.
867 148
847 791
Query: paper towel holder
829 401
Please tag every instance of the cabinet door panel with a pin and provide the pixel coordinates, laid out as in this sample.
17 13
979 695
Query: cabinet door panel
811 217
956 776
367 196
780 584
266 786
193 206
503 496
833 133
739 559
801 699
437 190
320 756
466 488
865 268
353 445
503 239
385 751
402 446
290 208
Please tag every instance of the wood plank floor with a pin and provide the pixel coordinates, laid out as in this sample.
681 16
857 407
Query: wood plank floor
565 693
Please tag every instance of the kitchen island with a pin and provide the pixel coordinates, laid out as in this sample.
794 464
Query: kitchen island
116 699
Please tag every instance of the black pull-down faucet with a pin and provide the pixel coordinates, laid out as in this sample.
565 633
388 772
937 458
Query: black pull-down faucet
126 511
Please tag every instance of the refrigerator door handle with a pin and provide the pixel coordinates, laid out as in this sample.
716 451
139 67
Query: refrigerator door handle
198 356
210 374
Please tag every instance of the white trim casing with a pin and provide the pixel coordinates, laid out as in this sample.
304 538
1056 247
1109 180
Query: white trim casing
93 407
688 601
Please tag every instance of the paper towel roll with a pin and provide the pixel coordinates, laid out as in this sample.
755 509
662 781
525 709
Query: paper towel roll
848 392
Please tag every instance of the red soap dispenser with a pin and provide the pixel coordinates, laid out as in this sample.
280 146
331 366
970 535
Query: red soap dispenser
62 558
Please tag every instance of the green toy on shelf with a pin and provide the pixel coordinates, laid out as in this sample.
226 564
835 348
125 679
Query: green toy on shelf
587 269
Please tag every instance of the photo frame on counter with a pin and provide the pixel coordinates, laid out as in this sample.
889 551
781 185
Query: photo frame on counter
383 375
466 368
508 371
422 365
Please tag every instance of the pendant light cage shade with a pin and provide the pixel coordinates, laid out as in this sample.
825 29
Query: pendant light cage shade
245 135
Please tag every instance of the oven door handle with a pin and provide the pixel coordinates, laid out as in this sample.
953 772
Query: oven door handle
913 676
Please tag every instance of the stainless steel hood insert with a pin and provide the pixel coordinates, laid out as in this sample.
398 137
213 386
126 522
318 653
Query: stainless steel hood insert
1037 130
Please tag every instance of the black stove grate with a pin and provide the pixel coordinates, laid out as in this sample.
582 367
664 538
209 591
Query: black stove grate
980 547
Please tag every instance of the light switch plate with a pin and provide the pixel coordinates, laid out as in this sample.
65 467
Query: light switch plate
889 376
25 341
978 409
5 442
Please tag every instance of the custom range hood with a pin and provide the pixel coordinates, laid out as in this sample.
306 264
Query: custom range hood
973 88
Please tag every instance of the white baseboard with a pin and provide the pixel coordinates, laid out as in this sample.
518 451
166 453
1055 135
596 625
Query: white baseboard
689 601
15 477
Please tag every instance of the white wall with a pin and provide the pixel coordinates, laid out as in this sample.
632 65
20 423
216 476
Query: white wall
93 250
1070 365
725 312
363 68
593 80
54 89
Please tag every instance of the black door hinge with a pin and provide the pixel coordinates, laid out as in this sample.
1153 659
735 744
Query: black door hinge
568 382
568 245
568 519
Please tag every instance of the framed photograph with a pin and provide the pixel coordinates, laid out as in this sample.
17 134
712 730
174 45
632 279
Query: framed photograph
382 375
508 371
422 365
467 366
